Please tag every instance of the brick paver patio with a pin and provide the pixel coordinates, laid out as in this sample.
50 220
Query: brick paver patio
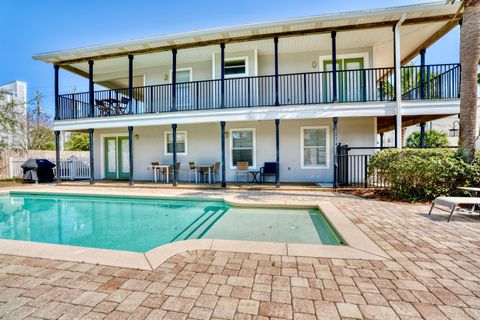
434 274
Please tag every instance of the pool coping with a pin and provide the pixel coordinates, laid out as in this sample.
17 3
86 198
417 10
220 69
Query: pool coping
357 245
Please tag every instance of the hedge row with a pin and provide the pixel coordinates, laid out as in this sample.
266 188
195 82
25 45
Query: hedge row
423 174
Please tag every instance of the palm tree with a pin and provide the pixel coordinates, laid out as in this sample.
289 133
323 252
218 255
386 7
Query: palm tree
469 57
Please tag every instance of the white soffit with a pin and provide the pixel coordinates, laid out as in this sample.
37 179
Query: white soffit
306 23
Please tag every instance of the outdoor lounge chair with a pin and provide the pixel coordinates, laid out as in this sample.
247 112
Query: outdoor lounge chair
452 203
269 169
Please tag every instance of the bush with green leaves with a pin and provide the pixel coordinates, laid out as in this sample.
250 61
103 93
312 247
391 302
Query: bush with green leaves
422 174
433 139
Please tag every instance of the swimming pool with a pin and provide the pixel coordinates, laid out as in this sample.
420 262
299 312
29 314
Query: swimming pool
140 224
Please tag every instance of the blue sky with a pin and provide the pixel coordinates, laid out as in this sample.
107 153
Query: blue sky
31 27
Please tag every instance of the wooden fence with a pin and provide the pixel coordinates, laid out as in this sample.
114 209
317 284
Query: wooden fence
7 155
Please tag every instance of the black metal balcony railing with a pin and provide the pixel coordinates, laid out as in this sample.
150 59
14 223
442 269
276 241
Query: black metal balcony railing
431 82
362 85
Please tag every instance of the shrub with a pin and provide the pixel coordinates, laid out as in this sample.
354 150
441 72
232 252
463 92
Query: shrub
423 174
433 138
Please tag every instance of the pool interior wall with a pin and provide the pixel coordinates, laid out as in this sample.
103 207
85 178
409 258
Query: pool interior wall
141 223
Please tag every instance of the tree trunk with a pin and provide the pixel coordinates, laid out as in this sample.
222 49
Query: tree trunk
469 57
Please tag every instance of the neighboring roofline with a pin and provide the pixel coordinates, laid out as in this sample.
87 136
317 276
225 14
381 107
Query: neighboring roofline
15 81
277 23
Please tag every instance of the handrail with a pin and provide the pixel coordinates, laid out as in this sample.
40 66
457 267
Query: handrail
299 88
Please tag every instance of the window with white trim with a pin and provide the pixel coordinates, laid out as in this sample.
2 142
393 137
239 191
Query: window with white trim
242 144
181 142
315 147
235 67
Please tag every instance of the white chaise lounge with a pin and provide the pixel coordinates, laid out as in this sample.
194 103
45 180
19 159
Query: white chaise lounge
453 202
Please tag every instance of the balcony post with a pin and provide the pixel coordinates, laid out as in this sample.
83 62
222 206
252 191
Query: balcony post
277 152
222 75
335 152
57 155
334 66
91 93
174 152
92 164
422 135
130 155
275 42
222 139
381 140
398 84
398 143
174 79
422 74
56 68
130 84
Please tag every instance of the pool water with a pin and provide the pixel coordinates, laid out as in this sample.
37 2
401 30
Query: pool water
141 224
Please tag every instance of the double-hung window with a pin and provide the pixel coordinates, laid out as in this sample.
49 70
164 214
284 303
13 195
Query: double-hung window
181 142
235 67
315 153
242 142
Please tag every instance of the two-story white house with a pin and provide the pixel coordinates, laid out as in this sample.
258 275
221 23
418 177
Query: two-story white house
287 92
14 91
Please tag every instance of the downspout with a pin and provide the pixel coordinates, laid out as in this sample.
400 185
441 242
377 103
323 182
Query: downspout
398 82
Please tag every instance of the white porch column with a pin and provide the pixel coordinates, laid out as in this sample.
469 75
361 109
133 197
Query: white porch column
398 80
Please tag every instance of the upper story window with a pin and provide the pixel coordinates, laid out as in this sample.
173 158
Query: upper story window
181 142
236 67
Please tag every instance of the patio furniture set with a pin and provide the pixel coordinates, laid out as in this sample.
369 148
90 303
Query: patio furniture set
210 173
110 107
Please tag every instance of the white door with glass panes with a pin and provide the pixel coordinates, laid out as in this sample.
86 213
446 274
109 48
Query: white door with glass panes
184 87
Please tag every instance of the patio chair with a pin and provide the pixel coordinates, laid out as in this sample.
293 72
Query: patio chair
155 169
242 169
269 169
170 171
121 106
216 172
453 203
102 108
192 170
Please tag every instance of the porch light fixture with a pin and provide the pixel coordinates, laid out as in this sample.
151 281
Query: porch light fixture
314 64
453 132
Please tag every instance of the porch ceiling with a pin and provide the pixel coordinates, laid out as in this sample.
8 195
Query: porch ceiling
357 40
297 35
385 124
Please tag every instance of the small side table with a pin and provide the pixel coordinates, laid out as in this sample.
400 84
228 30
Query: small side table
254 176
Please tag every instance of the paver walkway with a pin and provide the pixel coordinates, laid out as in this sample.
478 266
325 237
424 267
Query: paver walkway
434 274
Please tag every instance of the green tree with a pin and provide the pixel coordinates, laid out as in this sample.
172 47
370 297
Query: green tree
11 116
433 138
78 142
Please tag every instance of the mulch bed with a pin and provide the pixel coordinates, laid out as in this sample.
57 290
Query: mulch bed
375 194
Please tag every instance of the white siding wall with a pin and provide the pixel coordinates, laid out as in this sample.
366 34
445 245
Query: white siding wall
204 70
204 146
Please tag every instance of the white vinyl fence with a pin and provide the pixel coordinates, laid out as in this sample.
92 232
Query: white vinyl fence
72 168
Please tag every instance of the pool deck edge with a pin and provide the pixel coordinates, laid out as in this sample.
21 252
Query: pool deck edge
357 244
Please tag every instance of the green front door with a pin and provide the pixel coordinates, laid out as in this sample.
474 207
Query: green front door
116 158
123 158
349 84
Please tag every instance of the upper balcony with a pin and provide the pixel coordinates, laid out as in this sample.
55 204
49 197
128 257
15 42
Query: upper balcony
282 63
430 82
